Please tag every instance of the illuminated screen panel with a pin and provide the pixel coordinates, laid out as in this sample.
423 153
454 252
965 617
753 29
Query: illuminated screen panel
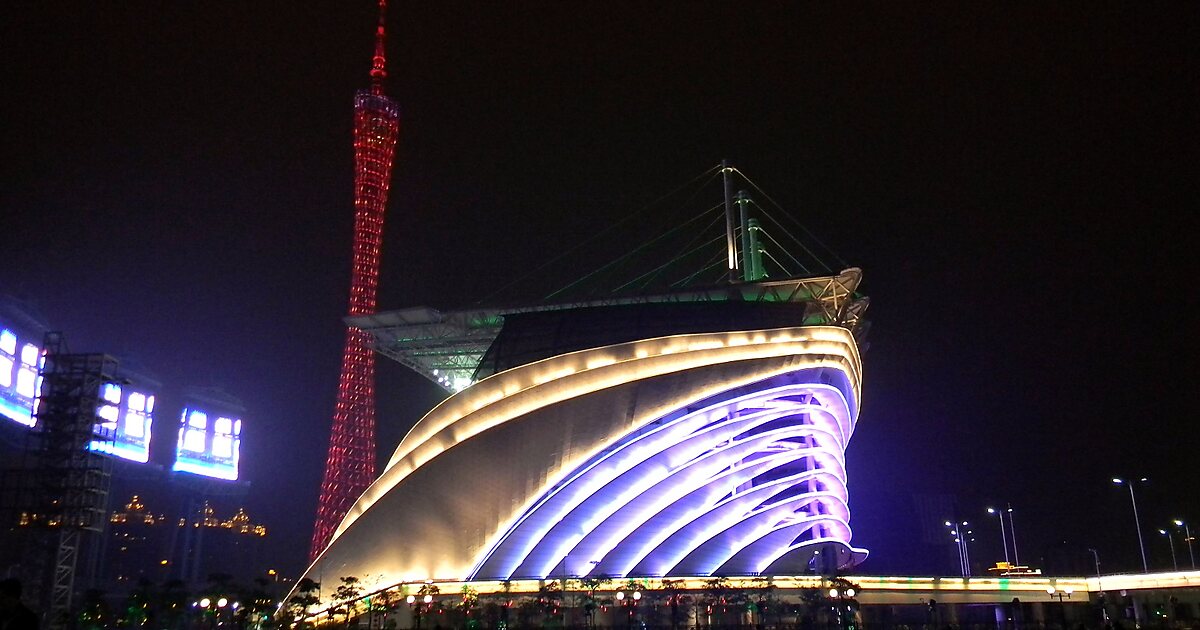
125 417
19 380
209 444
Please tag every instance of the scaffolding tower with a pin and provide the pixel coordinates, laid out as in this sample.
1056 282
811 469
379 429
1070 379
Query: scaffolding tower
60 493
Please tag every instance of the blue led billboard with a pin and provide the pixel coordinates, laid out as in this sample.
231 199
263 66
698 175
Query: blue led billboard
20 359
209 443
125 418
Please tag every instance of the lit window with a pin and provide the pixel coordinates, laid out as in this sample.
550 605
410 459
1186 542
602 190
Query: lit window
223 425
137 400
134 425
222 446
110 414
25 382
29 355
6 369
197 419
237 427
193 441
8 342
149 404
111 393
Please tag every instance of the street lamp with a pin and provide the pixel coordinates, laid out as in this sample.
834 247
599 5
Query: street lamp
630 603
1187 537
1136 521
961 539
1171 541
418 608
1003 539
844 608
1012 531
1054 593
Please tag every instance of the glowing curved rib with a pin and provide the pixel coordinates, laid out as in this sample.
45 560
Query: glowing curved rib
667 522
686 433
718 550
588 539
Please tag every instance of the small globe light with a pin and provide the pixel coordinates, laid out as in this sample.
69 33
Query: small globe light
637 595
620 595
1049 590
205 603
222 602
428 598
833 592
410 599
849 592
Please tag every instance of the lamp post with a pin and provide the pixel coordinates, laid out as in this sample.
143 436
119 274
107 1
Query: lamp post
961 538
845 610
1187 537
1171 542
1136 521
1003 539
1054 593
1012 531
630 603
418 607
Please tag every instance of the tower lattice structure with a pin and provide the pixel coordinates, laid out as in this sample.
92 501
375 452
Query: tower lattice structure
350 464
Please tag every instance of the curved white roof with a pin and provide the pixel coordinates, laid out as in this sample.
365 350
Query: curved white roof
686 455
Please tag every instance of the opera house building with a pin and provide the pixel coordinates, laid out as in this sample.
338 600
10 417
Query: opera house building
697 433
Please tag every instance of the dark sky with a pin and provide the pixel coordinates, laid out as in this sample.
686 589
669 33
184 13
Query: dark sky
175 188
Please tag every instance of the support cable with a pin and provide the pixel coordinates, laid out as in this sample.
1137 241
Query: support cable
798 241
716 260
783 249
777 263
712 172
626 255
686 251
818 241
658 269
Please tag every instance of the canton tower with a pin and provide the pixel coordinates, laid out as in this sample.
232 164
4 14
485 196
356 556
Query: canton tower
350 465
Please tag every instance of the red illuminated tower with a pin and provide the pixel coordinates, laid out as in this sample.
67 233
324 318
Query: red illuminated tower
350 465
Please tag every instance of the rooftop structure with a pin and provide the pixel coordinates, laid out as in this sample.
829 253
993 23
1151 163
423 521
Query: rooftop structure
448 347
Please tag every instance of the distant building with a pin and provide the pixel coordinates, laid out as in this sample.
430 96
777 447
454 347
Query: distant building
144 544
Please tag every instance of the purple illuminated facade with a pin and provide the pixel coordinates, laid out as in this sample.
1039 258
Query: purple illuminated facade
686 455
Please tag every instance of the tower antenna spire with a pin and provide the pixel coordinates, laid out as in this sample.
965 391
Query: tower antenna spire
379 61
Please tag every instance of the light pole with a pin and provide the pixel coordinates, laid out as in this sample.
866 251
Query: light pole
1003 539
961 538
630 603
1103 606
1054 593
1171 541
1187 537
844 609
1136 521
1012 530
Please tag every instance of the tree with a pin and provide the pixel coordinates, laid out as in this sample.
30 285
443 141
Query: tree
305 598
468 603
677 601
346 594
590 601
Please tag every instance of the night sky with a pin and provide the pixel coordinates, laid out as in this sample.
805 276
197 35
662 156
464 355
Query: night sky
175 188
